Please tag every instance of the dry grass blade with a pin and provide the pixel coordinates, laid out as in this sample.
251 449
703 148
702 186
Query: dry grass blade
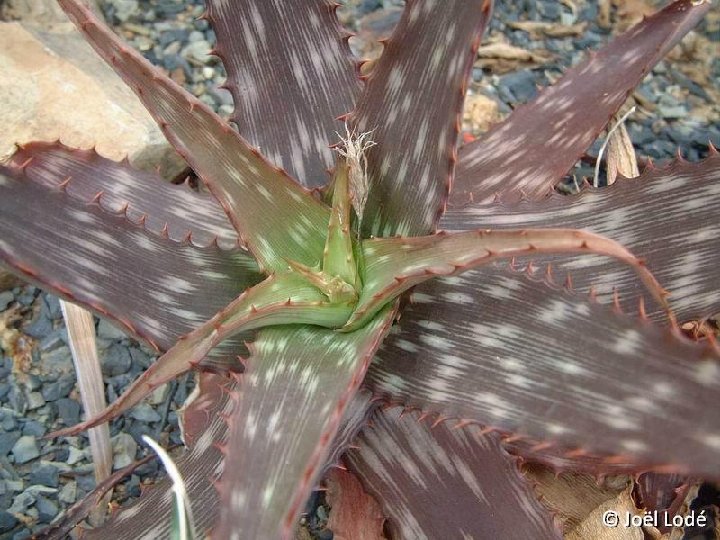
81 338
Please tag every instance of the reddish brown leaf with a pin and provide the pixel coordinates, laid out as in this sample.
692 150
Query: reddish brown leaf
667 216
298 385
276 218
439 482
163 208
287 99
354 515
412 105
567 117
533 360
152 287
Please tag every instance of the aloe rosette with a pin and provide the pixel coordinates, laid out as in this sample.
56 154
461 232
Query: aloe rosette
398 283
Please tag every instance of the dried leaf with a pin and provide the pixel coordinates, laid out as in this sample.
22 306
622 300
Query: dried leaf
354 515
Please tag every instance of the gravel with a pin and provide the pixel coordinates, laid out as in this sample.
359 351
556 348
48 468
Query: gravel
40 478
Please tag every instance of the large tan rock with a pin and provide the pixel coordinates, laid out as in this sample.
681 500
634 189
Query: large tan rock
53 86
37 11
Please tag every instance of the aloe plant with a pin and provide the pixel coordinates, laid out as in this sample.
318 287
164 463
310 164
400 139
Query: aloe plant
395 281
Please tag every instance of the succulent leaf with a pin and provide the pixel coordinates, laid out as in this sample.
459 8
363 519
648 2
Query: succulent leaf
205 431
439 482
565 119
528 358
154 288
143 197
275 217
298 384
411 104
667 216
394 265
287 100
280 299
339 257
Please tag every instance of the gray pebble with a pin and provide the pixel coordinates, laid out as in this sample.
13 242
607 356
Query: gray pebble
68 411
86 482
116 361
35 428
46 475
6 298
195 36
35 401
68 493
672 112
22 502
144 413
53 306
520 84
7 441
47 509
107 330
7 521
124 9
58 360
40 326
124 450
25 449
197 52
55 390
75 455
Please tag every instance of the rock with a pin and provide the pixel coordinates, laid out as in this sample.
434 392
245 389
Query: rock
75 455
25 449
68 410
57 361
53 391
7 521
107 330
480 113
521 86
47 509
68 493
33 427
116 361
86 482
52 305
124 450
34 401
144 413
197 52
48 77
7 441
6 298
22 502
40 12
40 327
123 10
46 475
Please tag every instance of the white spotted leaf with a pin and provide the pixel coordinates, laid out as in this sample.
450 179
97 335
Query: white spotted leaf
287 99
394 265
565 119
168 210
274 216
297 387
279 300
411 106
667 216
531 359
439 482
154 288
